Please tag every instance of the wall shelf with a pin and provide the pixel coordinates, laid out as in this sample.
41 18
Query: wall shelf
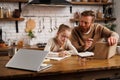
94 4
14 19
11 19
104 19
91 3
14 1
48 5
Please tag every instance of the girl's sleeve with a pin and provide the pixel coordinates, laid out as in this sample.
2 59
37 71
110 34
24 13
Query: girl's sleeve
48 45
71 49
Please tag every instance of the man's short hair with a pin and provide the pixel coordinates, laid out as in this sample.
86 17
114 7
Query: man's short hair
88 13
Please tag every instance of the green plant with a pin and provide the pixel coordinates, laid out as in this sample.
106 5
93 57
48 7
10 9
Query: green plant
111 26
31 34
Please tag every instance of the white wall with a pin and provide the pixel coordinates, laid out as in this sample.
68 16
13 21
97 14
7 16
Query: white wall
117 14
62 14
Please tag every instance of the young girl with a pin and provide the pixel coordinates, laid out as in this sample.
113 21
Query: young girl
61 42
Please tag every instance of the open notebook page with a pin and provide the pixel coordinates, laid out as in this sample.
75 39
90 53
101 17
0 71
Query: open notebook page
55 56
85 54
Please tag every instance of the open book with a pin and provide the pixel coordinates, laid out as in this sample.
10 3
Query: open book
55 56
85 54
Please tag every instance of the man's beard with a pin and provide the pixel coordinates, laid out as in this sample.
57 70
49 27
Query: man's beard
84 30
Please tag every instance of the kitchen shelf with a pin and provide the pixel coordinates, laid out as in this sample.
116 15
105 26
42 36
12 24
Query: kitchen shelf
48 5
104 19
94 4
14 1
11 19
91 3
14 19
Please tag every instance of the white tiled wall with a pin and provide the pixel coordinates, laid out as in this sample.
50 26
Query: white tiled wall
117 14
37 13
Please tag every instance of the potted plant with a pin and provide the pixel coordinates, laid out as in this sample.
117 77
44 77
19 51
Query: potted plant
31 34
111 26
31 37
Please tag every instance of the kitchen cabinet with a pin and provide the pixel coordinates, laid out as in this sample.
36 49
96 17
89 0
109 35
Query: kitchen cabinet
94 4
14 19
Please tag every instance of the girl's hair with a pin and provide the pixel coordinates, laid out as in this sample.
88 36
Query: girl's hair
63 27
89 13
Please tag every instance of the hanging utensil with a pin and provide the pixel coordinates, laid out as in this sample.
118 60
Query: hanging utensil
50 25
54 27
56 23
43 24
39 29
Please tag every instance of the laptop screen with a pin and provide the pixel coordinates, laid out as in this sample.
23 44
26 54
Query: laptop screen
27 59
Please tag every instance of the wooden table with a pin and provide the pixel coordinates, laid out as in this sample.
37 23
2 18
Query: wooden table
67 69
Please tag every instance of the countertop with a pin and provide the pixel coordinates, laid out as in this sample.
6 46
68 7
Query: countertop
66 66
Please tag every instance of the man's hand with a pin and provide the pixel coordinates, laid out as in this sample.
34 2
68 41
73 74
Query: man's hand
88 43
112 40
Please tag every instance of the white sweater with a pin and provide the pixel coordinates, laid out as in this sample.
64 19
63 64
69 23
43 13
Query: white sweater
53 46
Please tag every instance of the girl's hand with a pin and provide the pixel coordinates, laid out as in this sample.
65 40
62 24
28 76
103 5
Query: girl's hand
62 53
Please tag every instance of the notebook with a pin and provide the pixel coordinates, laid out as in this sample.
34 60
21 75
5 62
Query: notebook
27 59
85 54
55 56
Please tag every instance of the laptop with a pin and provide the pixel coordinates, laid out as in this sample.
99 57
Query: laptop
27 59
104 51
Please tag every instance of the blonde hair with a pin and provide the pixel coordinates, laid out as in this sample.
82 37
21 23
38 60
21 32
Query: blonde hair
63 27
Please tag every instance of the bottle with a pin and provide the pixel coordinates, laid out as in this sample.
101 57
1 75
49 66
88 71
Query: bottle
9 42
1 12
76 15
11 51
99 14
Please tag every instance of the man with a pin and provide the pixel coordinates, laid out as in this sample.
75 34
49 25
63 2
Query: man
88 33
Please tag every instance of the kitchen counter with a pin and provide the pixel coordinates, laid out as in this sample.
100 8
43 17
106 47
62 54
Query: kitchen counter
4 51
67 69
33 47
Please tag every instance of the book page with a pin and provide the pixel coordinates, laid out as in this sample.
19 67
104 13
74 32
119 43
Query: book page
55 56
85 54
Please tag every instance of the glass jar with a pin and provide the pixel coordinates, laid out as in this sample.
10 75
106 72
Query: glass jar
7 13
16 13
20 43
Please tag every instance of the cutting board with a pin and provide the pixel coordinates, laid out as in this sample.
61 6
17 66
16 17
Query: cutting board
30 25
